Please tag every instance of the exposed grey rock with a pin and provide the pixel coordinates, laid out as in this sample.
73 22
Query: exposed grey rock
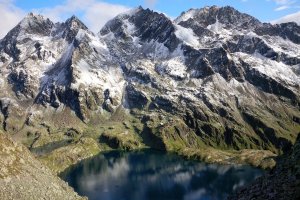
23 177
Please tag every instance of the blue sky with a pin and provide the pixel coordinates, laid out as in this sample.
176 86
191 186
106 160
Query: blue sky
264 10
95 13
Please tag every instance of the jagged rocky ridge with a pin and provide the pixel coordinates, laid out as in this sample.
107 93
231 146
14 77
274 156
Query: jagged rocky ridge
213 77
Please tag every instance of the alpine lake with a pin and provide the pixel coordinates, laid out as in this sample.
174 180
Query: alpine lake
153 175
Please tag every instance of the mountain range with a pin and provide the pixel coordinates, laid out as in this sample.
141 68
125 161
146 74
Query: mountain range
212 84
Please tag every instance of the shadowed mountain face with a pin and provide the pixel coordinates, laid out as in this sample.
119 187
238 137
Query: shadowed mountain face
212 77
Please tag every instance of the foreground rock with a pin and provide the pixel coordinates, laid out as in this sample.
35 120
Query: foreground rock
283 182
22 177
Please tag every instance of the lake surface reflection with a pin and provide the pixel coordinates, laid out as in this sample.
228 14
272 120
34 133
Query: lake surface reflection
154 175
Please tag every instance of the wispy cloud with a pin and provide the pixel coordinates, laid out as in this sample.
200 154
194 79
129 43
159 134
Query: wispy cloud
295 17
284 4
282 8
10 16
99 13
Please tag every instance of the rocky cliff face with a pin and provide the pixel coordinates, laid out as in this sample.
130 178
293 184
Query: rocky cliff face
214 77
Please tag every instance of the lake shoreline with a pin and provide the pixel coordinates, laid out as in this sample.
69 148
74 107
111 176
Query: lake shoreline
123 164
62 158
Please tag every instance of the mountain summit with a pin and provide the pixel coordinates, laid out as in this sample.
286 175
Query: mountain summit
227 16
214 77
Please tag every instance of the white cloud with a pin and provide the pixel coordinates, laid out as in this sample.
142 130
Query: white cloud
98 14
284 4
94 13
282 8
295 17
10 16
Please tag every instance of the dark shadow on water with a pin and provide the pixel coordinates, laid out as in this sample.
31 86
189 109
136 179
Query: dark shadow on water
155 175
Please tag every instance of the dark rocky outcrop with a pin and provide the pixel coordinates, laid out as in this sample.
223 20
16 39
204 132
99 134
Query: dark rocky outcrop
282 182
135 98
69 29
286 30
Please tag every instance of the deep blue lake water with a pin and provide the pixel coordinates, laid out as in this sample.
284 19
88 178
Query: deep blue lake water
155 175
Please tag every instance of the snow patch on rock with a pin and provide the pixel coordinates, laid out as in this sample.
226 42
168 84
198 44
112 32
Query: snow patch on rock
271 68
188 36
173 67
186 16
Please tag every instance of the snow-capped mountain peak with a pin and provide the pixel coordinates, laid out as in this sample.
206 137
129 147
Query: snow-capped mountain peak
228 16
35 24
74 23
68 29
217 70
